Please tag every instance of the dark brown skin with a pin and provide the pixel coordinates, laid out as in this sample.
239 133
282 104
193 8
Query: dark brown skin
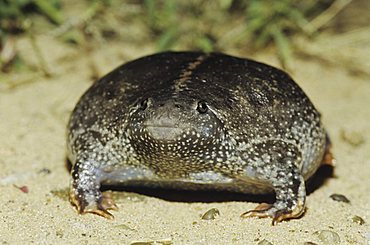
191 120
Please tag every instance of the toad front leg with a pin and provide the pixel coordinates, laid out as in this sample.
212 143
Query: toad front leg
277 164
85 191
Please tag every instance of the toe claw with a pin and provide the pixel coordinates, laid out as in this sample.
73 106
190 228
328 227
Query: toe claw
261 211
99 206
286 214
279 216
269 210
101 212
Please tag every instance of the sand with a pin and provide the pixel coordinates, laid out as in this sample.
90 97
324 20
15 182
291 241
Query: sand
33 117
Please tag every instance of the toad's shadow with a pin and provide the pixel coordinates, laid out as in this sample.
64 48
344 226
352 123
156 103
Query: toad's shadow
321 176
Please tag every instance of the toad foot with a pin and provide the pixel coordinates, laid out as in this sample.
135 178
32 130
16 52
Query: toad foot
86 196
264 210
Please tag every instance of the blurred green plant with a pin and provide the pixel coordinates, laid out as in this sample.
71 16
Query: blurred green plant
185 24
161 18
207 25
14 19
14 12
215 25
269 21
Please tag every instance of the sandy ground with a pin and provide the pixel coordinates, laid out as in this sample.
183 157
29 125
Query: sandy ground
33 118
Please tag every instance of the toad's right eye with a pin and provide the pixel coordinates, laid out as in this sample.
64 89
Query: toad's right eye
202 107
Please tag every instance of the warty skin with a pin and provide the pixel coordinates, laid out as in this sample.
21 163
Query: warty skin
192 120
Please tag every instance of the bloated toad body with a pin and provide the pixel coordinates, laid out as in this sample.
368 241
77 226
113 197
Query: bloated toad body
192 120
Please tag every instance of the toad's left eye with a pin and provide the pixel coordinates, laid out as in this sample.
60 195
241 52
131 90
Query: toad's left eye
202 107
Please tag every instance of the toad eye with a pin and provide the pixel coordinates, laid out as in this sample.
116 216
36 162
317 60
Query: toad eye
144 104
202 107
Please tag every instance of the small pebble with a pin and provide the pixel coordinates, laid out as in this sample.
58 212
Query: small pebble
328 237
142 243
44 171
59 233
358 220
264 242
339 198
211 214
165 242
353 138
23 188
124 227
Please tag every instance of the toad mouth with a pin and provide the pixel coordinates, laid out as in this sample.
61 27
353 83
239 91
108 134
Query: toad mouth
164 132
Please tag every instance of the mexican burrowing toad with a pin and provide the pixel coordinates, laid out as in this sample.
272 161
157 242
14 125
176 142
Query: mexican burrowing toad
196 121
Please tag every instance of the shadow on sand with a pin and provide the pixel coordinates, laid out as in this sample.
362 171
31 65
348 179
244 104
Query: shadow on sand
321 176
